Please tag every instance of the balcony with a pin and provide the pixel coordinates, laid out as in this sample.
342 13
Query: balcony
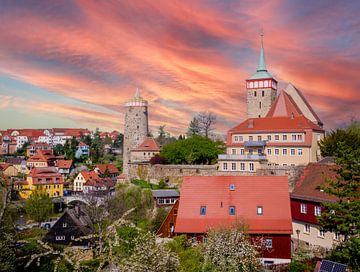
254 143
249 157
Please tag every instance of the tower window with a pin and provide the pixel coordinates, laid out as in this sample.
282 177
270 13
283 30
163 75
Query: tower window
255 93
251 84
263 93
260 105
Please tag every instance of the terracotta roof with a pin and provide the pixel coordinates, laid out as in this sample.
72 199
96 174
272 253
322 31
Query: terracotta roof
307 185
4 166
275 124
89 175
111 168
149 144
82 144
100 182
284 105
45 175
270 192
64 163
41 155
39 144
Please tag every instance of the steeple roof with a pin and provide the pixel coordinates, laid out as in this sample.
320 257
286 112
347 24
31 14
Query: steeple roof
284 105
261 71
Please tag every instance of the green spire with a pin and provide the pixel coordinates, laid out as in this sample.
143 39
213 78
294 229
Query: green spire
262 65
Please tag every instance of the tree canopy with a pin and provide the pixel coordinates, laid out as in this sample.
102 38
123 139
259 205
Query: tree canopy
39 206
194 150
202 124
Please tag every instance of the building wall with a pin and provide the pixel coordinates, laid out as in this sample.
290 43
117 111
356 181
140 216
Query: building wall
165 229
52 190
37 164
254 97
135 131
309 216
11 171
143 155
313 238
79 183
281 246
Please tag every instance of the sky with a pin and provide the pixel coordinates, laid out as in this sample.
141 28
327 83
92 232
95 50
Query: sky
75 63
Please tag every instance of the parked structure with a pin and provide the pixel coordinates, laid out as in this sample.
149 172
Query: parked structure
83 150
165 197
145 151
82 178
64 166
261 203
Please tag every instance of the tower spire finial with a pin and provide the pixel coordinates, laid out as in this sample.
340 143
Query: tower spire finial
262 64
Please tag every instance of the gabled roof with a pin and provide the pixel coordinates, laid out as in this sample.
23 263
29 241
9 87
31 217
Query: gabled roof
4 166
270 192
64 163
15 160
111 168
275 124
89 175
149 144
165 193
303 104
284 105
314 176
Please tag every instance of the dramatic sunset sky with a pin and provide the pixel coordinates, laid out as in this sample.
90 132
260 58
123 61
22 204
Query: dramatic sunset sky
74 63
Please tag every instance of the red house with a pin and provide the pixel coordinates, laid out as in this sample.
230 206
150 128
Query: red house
262 203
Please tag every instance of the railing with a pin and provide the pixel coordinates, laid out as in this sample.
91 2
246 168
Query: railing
252 157
254 143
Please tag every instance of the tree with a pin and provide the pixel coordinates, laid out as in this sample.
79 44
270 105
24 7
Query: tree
157 159
150 256
59 150
230 250
7 252
343 216
194 127
194 150
39 206
119 141
164 137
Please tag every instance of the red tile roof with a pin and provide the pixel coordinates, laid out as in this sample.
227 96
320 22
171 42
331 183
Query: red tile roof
284 105
275 124
111 168
149 144
270 192
82 144
64 163
45 175
89 175
307 186
41 155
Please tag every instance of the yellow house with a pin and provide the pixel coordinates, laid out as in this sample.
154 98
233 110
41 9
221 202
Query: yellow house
46 179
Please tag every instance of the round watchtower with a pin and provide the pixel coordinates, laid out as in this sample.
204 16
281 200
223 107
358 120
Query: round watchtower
136 127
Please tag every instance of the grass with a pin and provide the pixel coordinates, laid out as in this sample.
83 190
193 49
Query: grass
148 185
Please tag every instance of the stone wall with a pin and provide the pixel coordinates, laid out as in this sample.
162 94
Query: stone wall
252 101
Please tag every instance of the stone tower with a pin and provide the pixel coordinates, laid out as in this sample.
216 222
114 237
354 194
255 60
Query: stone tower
261 89
136 127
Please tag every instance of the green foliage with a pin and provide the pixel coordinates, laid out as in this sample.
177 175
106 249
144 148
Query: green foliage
194 150
164 137
89 265
7 253
127 236
147 185
119 141
343 216
39 206
159 218
22 151
59 150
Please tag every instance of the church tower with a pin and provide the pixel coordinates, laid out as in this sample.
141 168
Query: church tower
261 89
136 126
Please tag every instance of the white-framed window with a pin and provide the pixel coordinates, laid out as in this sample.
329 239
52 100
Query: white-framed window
293 138
72 237
276 137
276 151
241 139
321 233
259 138
269 151
336 236
292 151
242 151
307 228
303 208
225 166
317 211
251 84
268 243
64 225
233 151
232 187
266 84
284 152
256 84
300 152
251 167
236 138
259 210
233 166
299 137
242 166
60 238
284 137
250 138
269 138
261 84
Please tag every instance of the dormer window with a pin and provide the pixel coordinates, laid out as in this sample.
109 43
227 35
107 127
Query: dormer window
232 187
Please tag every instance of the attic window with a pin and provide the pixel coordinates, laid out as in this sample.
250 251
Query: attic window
259 210
232 187
232 210
202 210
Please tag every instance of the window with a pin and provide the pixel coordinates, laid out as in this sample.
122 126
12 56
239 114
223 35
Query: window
202 210
255 92
276 137
336 236
259 151
233 151
263 93
259 210
284 137
300 152
225 166
293 138
250 138
269 138
261 84
266 84
250 151
307 228
292 152
260 105
251 167
299 137
241 138
60 238
232 187
242 151
317 211
259 138
232 210
256 84
72 237
233 166
284 151
64 225
276 151
303 208
321 233
268 243
251 84
236 138
161 201
269 151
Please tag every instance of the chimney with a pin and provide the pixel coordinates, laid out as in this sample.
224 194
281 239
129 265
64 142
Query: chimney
292 115
251 123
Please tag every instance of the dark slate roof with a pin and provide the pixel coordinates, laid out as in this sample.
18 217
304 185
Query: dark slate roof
165 193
